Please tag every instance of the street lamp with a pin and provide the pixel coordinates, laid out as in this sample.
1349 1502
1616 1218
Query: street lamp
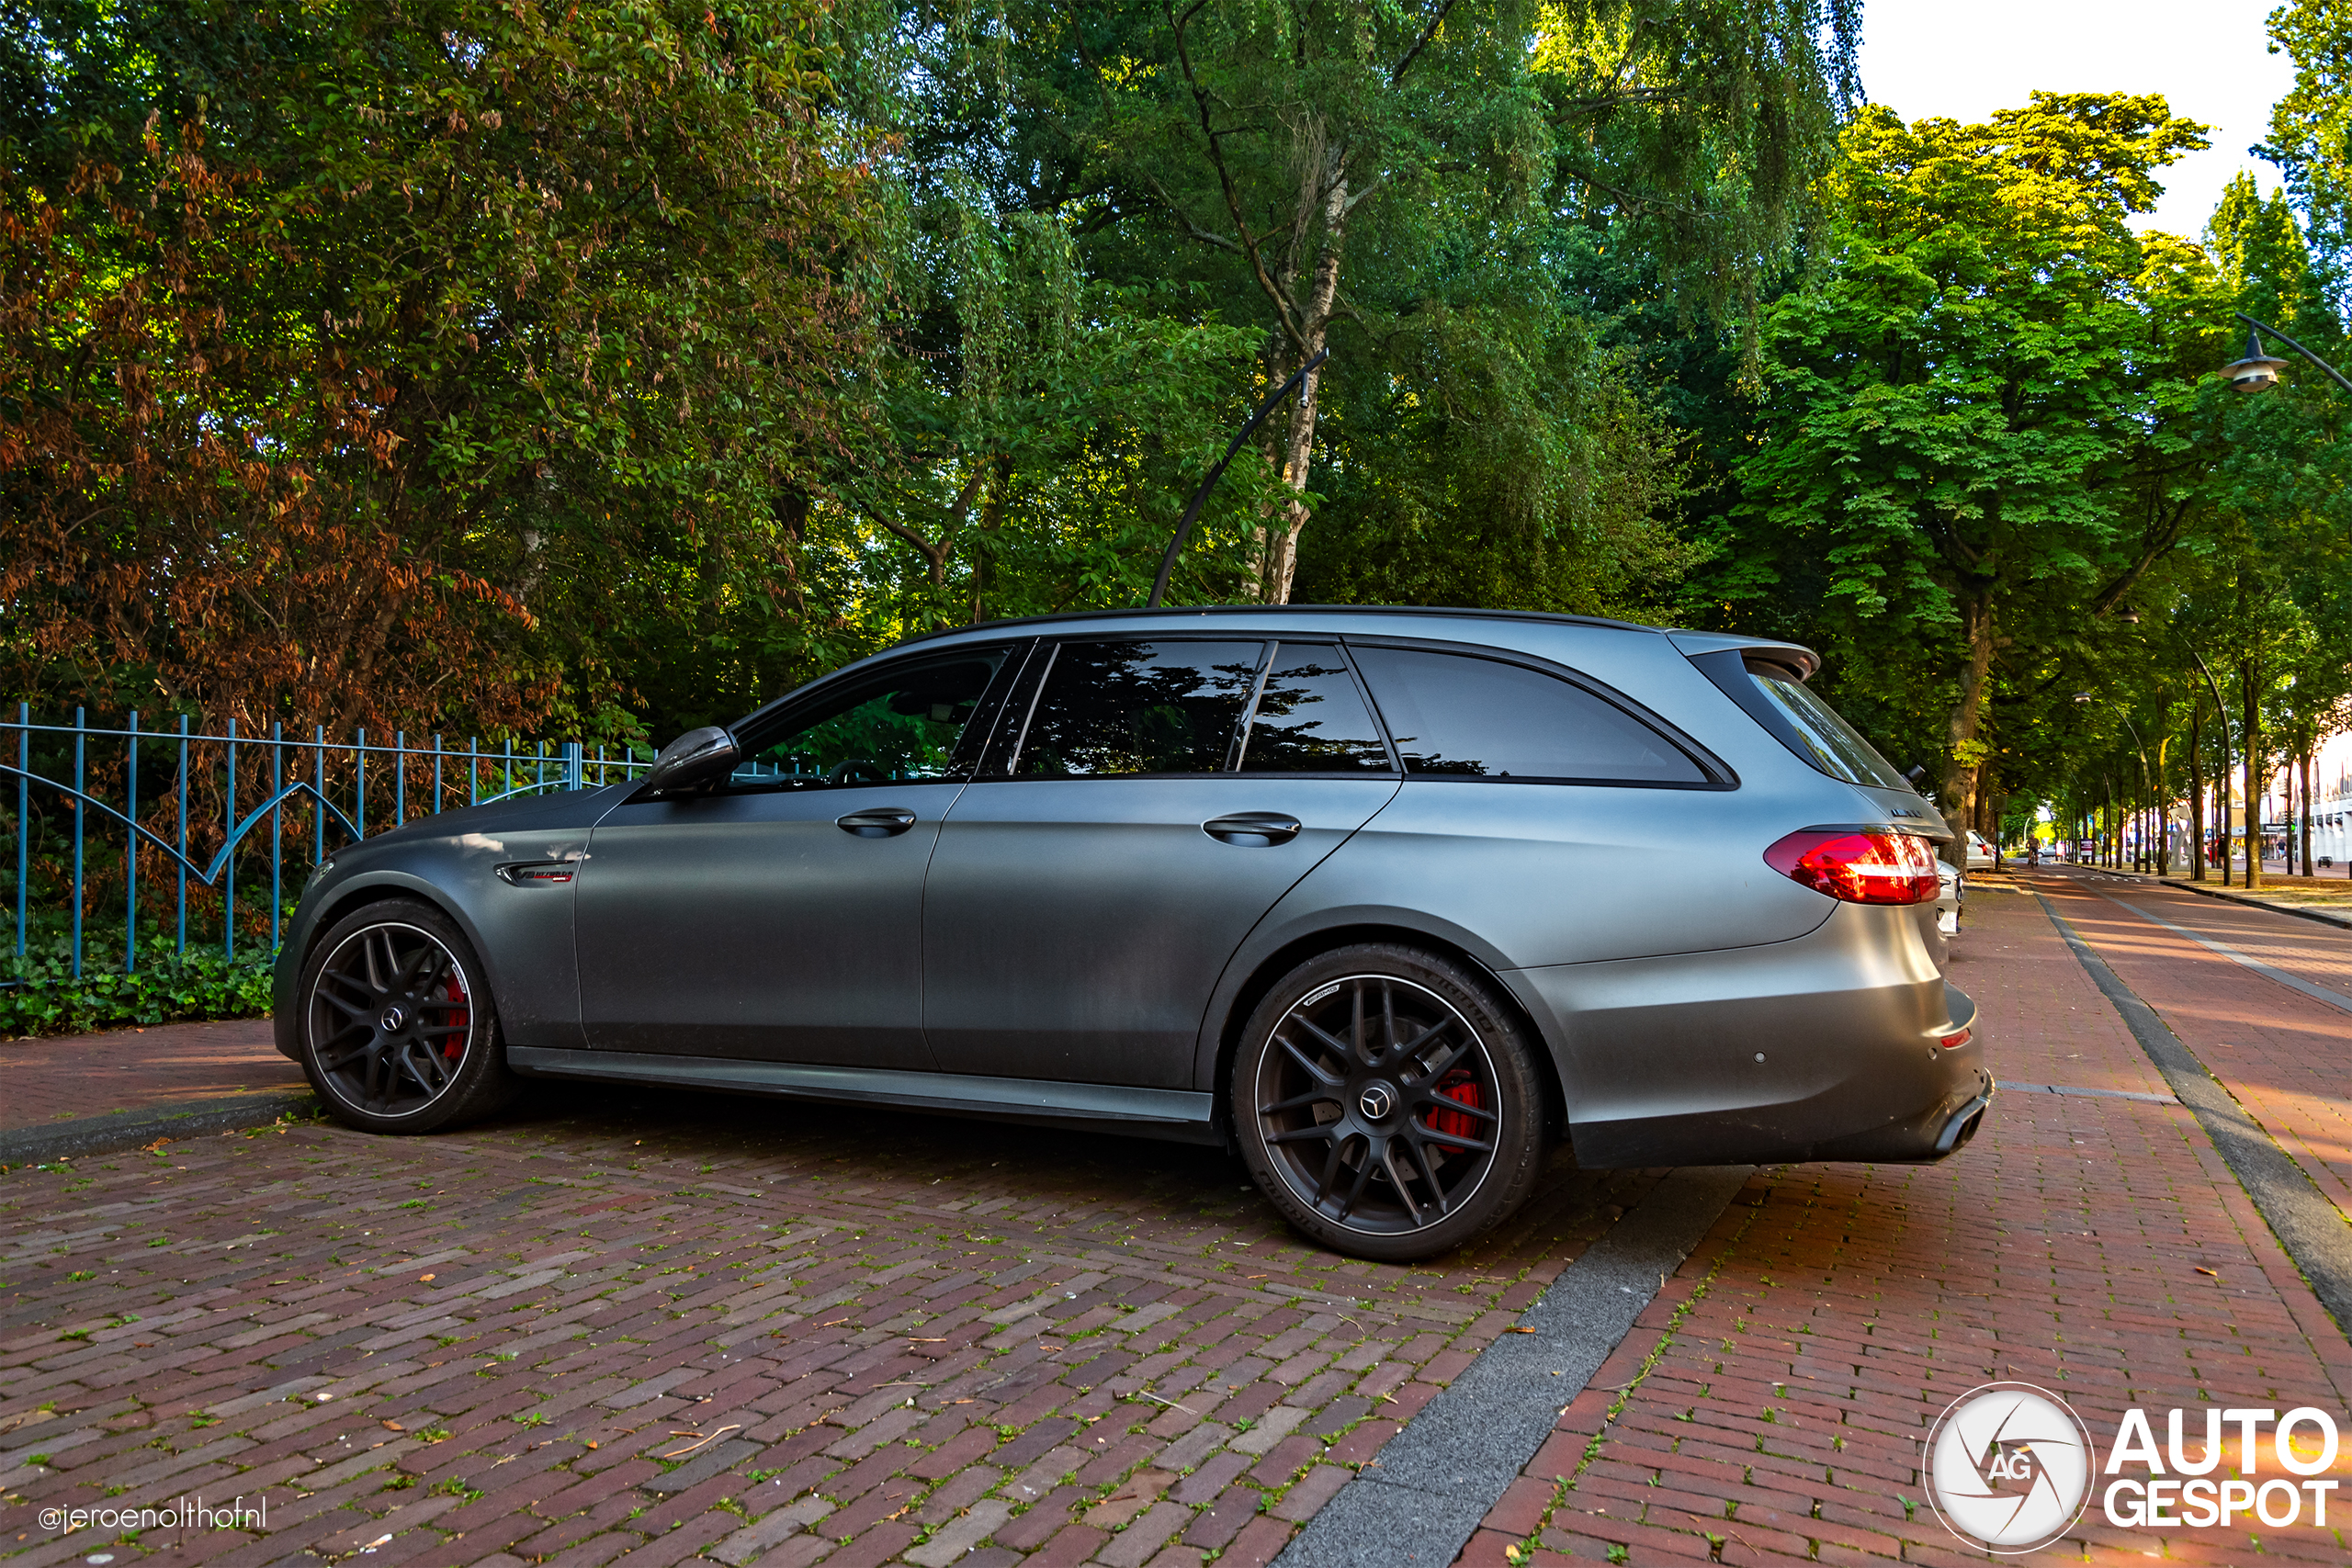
2257 371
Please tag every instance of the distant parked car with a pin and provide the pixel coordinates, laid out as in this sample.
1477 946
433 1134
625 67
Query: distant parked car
1385 900
1980 854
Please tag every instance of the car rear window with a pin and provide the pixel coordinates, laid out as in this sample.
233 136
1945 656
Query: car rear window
1110 708
1456 716
1310 718
1822 737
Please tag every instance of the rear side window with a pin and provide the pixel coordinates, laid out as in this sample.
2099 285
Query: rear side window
1819 736
1310 718
1110 708
1453 715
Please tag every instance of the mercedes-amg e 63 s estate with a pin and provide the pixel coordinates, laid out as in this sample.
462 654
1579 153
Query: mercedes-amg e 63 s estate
1388 900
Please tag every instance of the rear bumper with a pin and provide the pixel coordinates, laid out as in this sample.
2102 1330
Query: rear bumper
1830 1047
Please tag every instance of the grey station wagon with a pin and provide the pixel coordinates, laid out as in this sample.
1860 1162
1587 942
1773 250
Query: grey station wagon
1387 900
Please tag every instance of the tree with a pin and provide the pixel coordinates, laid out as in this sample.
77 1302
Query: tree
1382 182
1960 409
365 364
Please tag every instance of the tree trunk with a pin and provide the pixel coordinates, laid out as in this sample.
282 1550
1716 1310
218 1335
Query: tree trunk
1957 798
2196 798
1280 560
2307 813
2251 742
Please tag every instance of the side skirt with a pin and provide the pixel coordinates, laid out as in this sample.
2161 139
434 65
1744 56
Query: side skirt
1177 1115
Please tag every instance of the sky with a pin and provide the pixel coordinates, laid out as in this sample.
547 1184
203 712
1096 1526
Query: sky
2210 61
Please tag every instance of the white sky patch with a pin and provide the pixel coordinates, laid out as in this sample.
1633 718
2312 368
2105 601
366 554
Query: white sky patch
2210 61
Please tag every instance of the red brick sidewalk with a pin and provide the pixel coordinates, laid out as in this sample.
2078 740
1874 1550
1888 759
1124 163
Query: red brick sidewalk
2287 1057
73 1076
1770 1403
724 1330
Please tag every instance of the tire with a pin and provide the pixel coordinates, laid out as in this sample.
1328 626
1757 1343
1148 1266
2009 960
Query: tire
1388 1103
398 1032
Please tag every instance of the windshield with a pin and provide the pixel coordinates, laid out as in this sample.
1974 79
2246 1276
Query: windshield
1830 743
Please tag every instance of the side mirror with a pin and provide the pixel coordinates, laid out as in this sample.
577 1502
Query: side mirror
692 758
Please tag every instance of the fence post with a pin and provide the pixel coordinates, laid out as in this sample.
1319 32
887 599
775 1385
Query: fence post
359 785
473 769
436 772
229 856
277 837
319 804
80 739
24 822
179 938
572 756
130 853
399 777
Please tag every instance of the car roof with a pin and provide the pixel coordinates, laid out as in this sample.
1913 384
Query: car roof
1194 612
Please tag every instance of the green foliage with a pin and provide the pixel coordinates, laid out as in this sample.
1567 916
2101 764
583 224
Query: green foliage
1964 427
39 994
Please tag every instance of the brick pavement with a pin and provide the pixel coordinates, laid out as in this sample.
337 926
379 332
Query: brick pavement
167 1065
725 1331
1770 1403
2287 1057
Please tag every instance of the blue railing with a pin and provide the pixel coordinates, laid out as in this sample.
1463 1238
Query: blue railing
77 790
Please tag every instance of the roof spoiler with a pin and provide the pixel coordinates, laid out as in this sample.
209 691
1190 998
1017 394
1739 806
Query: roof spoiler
1804 660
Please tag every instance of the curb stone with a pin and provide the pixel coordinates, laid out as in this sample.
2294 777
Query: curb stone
132 1129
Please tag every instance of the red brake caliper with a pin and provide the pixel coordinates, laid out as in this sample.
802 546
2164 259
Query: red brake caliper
1462 1089
461 1020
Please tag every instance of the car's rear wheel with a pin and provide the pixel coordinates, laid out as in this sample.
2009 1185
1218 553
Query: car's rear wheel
1387 1102
398 1031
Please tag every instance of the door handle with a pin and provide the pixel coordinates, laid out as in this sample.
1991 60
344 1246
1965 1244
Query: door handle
884 822
1253 830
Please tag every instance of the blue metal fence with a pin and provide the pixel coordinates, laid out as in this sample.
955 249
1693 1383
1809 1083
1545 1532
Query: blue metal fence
77 796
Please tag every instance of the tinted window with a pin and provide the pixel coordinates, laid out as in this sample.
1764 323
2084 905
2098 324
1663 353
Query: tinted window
1310 718
1829 742
1138 707
1459 716
906 722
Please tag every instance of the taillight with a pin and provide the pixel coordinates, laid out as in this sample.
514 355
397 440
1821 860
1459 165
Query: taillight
1859 865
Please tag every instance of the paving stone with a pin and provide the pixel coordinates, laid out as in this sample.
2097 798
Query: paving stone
639 1270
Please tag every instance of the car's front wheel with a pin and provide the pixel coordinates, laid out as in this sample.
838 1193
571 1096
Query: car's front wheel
1388 1103
398 1031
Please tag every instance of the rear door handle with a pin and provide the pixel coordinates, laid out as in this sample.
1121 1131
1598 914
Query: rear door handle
1253 830
884 822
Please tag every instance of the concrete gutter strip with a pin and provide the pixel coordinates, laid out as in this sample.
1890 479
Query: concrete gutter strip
135 1129
2293 982
2313 1231
1436 1479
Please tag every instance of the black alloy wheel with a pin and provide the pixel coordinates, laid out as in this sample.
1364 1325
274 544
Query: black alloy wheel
398 1033
1387 1103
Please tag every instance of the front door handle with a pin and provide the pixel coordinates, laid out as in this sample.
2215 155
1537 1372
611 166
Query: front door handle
1253 830
884 822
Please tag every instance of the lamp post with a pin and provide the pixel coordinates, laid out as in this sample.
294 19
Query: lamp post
2259 372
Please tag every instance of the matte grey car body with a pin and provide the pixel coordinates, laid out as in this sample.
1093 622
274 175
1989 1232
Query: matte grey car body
1085 949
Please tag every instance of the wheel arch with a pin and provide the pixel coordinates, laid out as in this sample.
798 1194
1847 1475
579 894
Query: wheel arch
371 887
1263 972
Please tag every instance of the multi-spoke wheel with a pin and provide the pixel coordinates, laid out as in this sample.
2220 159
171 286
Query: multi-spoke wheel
398 1034
1387 1103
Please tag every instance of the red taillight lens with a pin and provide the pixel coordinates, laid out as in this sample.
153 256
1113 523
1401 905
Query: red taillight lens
1859 866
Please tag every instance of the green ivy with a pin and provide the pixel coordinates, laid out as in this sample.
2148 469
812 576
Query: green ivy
39 994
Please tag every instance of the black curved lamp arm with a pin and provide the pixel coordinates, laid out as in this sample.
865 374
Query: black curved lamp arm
1201 496
2299 348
